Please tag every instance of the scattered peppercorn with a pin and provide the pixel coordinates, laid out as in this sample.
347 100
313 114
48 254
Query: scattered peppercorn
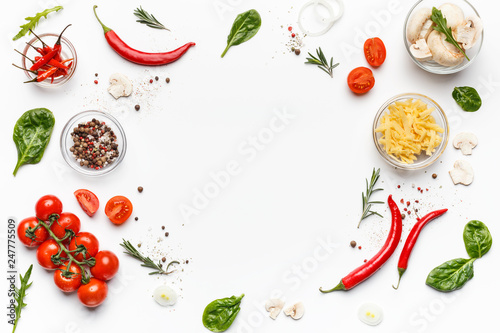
293 35
157 78
359 247
297 51
136 218
139 245
403 216
167 80
353 244
365 260
96 82
151 81
434 176
162 227
140 189
163 259
137 107
96 75
187 261
166 234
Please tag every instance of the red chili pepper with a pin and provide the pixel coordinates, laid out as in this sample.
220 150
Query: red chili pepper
58 46
412 239
43 60
139 57
369 268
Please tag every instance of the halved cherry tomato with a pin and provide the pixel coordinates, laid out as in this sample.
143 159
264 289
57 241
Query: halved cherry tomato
88 201
106 265
118 209
65 221
93 293
68 283
375 52
45 252
360 80
89 241
30 223
48 205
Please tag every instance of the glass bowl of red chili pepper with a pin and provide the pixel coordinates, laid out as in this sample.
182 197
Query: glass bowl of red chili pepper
58 70
410 131
93 143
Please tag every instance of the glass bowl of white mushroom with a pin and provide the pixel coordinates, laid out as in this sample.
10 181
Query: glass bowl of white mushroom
443 37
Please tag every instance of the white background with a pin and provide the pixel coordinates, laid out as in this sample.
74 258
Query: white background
283 224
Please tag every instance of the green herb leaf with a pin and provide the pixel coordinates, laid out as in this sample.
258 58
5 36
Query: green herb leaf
477 239
245 26
451 275
32 135
442 26
148 19
220 314
19 294
367 204
33 21
322 62
468 98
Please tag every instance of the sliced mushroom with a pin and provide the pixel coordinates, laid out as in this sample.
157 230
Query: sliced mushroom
274 306
462 173
454 15
416 24
120 85
420 50
469 33
426 29
465 142
444 53
295 311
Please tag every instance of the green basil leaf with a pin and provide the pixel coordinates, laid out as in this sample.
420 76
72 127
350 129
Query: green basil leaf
477 239
220 314
32 135
245 26
451 275
468 98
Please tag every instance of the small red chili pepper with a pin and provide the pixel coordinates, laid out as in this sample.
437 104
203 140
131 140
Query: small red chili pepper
139 57
412 239
57 45
366 270
43 60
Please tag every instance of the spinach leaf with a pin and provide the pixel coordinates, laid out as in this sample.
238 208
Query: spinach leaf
451 275
32 135
245 26
477 239
220 314
468 98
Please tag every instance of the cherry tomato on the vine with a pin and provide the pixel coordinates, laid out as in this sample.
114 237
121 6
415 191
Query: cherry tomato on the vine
48 205
93 293
45 251
65 221
118 209
375 52
360 80
106 265
88 201
86 239
40 234
68 283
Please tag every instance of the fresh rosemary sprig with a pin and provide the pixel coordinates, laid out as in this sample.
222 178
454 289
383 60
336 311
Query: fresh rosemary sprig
20 293
367 204
321 62
148 19
147 262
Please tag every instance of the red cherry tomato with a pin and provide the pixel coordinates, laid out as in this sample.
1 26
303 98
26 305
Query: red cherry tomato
45 252
88 201
30 223
375 52
93 293
106 265
118 209
360 80
68 283
86 239
66 221
48 205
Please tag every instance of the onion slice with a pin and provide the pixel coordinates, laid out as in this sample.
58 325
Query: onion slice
165 296
331 20
370 314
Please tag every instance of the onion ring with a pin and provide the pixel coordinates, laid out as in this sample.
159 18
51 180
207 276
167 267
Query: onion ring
332 19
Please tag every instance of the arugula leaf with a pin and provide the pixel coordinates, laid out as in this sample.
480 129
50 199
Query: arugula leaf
442 26
33 21
20 293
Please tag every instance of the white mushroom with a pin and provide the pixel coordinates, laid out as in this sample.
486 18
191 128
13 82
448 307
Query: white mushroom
120 85
416 24
295 311
462 173
454 15
274 306
426 29
444 53
469 32
465 141
420 50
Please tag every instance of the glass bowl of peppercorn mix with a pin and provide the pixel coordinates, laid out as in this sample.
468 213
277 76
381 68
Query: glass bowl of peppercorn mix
93 143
